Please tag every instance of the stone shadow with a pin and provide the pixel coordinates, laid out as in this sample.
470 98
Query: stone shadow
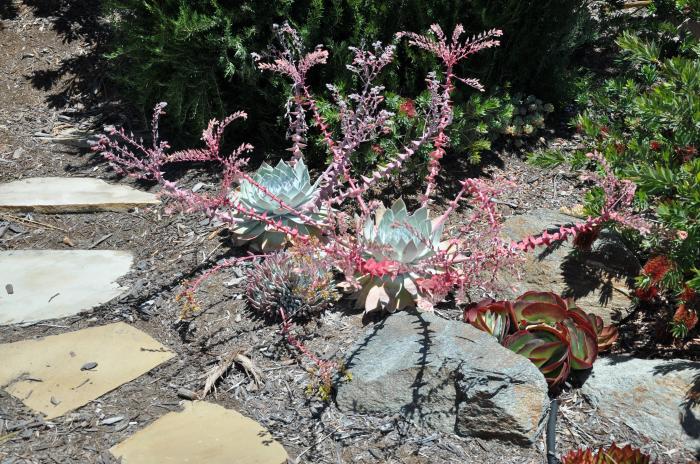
689 412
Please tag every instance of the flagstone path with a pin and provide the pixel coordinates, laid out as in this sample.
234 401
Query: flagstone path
58 374
70 195
37 285
202 433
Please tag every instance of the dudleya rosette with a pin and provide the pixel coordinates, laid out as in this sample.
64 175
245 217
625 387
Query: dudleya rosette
396 238
292 185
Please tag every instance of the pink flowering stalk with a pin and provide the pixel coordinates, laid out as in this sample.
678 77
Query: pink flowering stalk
617 207
450 54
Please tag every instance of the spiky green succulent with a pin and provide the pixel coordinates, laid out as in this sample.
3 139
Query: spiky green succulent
292 185
300 284
394 240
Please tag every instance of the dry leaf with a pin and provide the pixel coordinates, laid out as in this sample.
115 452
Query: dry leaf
225 364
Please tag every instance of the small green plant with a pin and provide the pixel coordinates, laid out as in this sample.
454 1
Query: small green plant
555 334
321 382
298 284
612 455
527 118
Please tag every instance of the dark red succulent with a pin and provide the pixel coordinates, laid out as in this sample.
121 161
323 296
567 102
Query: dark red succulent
555 334
611 455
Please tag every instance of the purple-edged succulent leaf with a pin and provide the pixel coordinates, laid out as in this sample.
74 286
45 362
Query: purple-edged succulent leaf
541 297
538 308
606 336
582 344
546 347
542 313
493 317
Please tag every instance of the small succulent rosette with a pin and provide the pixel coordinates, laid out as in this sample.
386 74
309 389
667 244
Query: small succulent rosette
288 184
394 241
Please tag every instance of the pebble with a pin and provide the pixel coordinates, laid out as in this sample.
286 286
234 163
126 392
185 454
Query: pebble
187 394
112 420
88 366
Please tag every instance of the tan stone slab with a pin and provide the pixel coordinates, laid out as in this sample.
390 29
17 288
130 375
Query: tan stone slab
202 433
48 374
36 285
70 195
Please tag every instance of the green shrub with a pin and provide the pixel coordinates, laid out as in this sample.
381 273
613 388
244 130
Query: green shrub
647 124
479 123
195 54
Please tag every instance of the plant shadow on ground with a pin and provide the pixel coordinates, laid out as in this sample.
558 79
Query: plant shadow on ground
78 83
8 10
82 76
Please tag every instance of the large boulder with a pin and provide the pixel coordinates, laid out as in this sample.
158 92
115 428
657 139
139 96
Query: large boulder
656 398
445 375
599 280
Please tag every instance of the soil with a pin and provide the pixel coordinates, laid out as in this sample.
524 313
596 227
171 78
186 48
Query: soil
50 81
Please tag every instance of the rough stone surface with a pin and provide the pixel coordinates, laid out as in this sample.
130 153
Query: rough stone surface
599 280
57 374
202 433
47 284
69 195
657 398
445 375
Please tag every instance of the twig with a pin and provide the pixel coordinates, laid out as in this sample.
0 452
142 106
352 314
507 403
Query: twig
29 222
212 252
501 202
8 437
318 442
100 240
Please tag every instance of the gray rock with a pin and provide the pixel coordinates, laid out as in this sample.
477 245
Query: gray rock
657 398
599 280
445 375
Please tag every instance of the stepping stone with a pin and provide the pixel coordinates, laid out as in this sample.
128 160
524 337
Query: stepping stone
70 195
36 285
57 374
202 432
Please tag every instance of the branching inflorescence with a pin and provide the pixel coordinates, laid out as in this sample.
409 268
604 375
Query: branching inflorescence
411 260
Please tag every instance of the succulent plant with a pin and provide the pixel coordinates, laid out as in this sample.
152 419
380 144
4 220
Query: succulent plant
298 283
292 185
392 239
493 317
606 335
528 116
555 334
546 347
611 455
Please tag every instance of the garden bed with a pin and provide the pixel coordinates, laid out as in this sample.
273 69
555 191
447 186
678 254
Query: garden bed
170 250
